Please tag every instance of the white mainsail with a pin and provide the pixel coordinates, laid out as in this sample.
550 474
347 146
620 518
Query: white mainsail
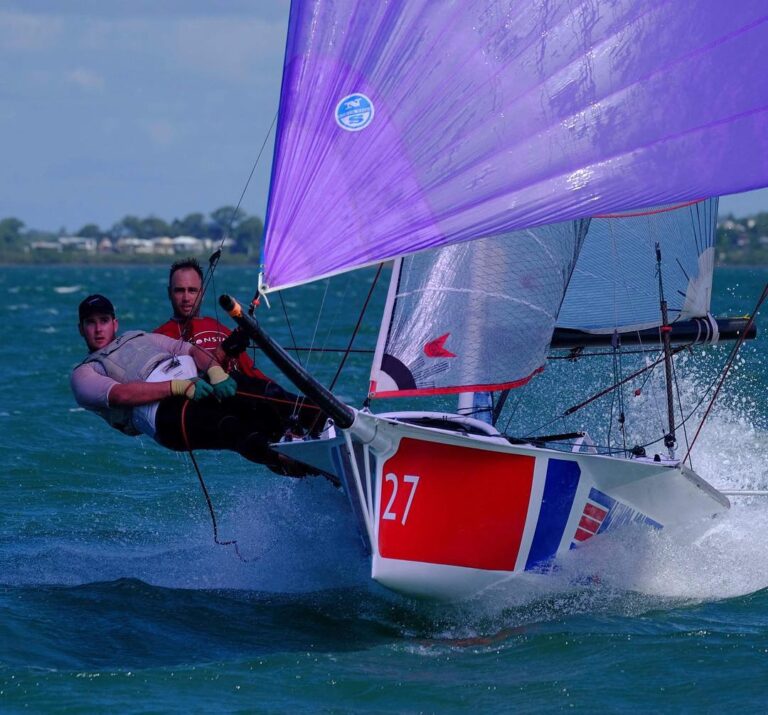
452 327
475 316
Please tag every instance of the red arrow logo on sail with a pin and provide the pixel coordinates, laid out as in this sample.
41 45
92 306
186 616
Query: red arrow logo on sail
435 348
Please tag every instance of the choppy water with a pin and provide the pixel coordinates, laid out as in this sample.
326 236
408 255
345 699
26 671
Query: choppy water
114 598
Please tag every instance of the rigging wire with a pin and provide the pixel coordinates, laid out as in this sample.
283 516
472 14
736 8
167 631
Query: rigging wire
701 216
290 328
616 347
613 401
317 321
575 408
371 351
624 380
357 327
334 321
513 410
213 259
691 413
622 406
248 181
682 415
719 376
300 398
499 405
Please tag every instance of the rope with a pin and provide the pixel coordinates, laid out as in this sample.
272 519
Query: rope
232 542
253 396
290 328
650 212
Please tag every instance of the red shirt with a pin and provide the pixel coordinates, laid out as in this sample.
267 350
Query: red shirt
207 333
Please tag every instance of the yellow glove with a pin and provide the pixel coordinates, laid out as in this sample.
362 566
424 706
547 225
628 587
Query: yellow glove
191 389
223 385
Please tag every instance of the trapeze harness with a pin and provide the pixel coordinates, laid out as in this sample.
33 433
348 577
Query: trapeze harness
207 333
137 361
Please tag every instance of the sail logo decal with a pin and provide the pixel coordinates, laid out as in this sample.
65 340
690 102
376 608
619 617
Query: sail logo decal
602 512
436 348
354 112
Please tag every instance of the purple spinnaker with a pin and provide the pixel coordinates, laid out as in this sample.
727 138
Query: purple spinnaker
412 124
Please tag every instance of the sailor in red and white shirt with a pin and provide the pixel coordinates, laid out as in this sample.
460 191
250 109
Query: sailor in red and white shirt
185 287
185 293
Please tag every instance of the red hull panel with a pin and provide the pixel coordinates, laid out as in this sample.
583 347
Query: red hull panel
444 504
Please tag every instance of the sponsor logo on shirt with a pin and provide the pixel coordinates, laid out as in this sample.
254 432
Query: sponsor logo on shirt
208 339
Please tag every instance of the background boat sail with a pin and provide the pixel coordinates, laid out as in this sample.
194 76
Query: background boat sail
420 125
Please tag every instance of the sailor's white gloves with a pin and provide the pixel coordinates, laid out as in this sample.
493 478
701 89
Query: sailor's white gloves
191 389
221 386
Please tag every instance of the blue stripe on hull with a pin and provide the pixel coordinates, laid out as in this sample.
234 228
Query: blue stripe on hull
560 486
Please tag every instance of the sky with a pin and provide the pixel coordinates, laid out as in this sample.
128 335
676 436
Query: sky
145 107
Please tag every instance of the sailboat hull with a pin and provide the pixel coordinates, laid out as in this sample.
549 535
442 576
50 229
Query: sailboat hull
447 514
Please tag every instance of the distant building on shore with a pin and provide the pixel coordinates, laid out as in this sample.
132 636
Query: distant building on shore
130 245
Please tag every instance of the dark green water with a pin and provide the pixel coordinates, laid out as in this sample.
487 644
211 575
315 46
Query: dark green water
114 597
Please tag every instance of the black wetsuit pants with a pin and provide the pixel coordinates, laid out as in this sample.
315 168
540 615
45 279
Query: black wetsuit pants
261 412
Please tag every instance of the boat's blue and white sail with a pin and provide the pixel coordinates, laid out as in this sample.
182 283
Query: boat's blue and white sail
614 286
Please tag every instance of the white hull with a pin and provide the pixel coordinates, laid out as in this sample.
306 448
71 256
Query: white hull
447 515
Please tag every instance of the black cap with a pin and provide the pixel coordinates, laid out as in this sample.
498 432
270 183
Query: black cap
95 304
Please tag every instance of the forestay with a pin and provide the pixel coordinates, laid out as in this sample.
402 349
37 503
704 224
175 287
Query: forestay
614 286
474 316
411 124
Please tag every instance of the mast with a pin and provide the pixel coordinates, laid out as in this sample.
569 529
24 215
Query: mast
669 438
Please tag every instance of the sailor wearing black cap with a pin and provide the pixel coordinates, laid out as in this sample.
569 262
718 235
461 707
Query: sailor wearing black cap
176 393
